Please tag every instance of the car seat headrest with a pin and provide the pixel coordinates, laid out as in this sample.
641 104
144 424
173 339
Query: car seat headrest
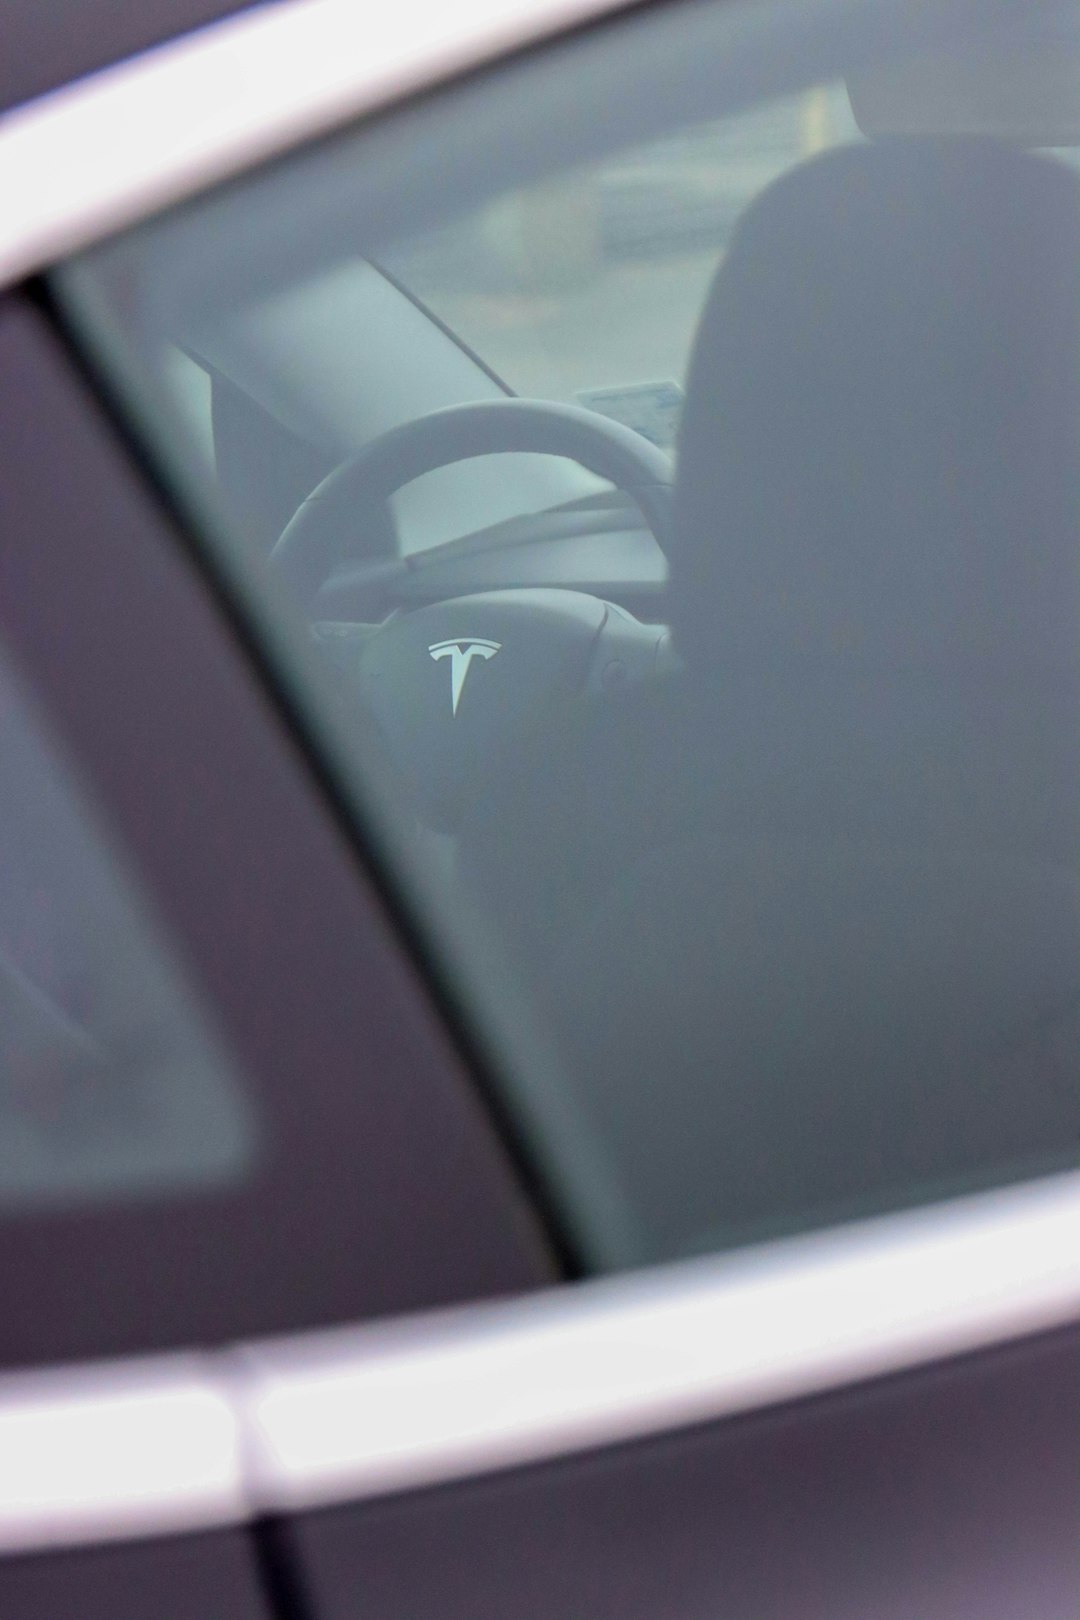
879 460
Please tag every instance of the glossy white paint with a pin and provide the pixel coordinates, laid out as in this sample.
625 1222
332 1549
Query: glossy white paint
100 154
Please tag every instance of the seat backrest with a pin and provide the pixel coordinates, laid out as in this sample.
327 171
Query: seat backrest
768 1033
852 976
879 493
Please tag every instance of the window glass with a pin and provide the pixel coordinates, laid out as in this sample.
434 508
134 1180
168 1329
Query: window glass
588 288
112 1084
690 601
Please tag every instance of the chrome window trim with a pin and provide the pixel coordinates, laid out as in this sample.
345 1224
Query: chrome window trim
116 1451
370 1411
352 1413
101 153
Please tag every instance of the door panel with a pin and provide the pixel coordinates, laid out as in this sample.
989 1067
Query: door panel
952 1494
210 1577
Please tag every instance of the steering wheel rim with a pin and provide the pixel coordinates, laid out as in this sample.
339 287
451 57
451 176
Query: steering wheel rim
322 532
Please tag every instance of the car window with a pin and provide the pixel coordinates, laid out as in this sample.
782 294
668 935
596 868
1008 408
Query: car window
588 288
113 1084
724 752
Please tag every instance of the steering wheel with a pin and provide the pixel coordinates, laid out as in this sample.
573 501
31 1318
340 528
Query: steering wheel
323 532
456 684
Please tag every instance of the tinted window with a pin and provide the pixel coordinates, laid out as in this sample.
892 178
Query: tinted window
717 711
356 1096
112 1084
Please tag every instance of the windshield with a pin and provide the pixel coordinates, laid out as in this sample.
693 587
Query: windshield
588 289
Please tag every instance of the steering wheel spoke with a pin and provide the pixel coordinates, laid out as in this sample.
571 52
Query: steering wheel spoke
458 686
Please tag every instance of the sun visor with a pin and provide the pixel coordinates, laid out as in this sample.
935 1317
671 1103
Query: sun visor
1020 84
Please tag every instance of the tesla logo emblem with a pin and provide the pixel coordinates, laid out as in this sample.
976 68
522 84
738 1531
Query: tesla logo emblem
461 654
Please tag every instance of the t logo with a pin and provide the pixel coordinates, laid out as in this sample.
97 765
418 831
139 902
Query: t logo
461 654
